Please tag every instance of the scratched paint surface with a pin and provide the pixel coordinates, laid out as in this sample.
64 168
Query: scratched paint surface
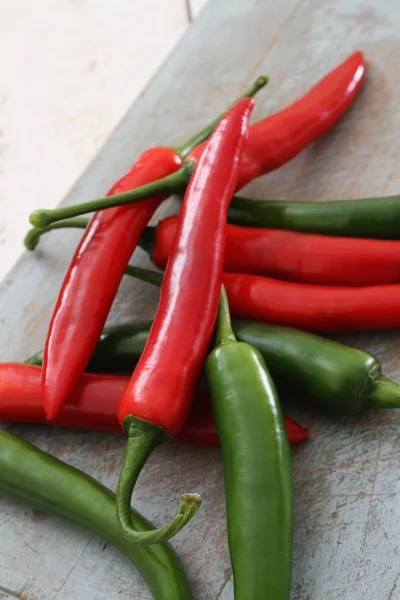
347 534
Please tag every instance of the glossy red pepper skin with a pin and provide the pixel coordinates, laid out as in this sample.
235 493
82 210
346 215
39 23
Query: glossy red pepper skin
278 138
93 405
162 385
157 400
292 256
313 307
85 299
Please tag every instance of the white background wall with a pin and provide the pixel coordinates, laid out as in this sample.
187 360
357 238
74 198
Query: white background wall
69 71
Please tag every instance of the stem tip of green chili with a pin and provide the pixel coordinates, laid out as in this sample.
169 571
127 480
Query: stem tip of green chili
185 148
33 236
41 218
142 438
174 183
31 239
188 507
262 80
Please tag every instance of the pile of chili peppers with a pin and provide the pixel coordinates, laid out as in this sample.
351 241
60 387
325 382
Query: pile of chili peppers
194 376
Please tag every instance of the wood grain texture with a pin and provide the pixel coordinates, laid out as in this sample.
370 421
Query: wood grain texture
347 535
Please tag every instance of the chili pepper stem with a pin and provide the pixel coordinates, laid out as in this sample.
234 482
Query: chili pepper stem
143 437
35 359
223 330
175 183
33 236
384 393
147 242
166 185
144 275
185 148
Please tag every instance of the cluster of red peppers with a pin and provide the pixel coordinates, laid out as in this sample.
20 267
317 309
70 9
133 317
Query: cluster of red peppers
292 264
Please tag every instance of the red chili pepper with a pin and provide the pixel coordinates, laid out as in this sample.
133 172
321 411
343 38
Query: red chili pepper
292 256
97 267
278 138
157 400
93 405
82 308
314 307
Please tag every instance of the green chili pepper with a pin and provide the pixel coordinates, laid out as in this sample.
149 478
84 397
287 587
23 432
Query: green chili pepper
334 377
257 466
41 480
117 351
369 217
123 343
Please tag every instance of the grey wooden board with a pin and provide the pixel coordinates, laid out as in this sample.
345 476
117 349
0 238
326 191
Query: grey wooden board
347 533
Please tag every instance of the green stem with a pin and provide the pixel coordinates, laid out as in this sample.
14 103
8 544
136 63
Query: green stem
143 437
223 329
384 393
33 236
35 359
147 240
144 275
185 148
175 183
167 185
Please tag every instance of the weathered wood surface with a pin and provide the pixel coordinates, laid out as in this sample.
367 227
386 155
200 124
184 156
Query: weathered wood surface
347 535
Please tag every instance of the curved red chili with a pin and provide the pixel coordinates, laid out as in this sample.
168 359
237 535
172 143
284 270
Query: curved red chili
106 247
93 405
310 307
292 256
157 400
272 142
278 138
313 307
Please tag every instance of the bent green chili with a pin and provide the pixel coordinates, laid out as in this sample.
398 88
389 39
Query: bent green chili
35 477
257 465
367 218
336 378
